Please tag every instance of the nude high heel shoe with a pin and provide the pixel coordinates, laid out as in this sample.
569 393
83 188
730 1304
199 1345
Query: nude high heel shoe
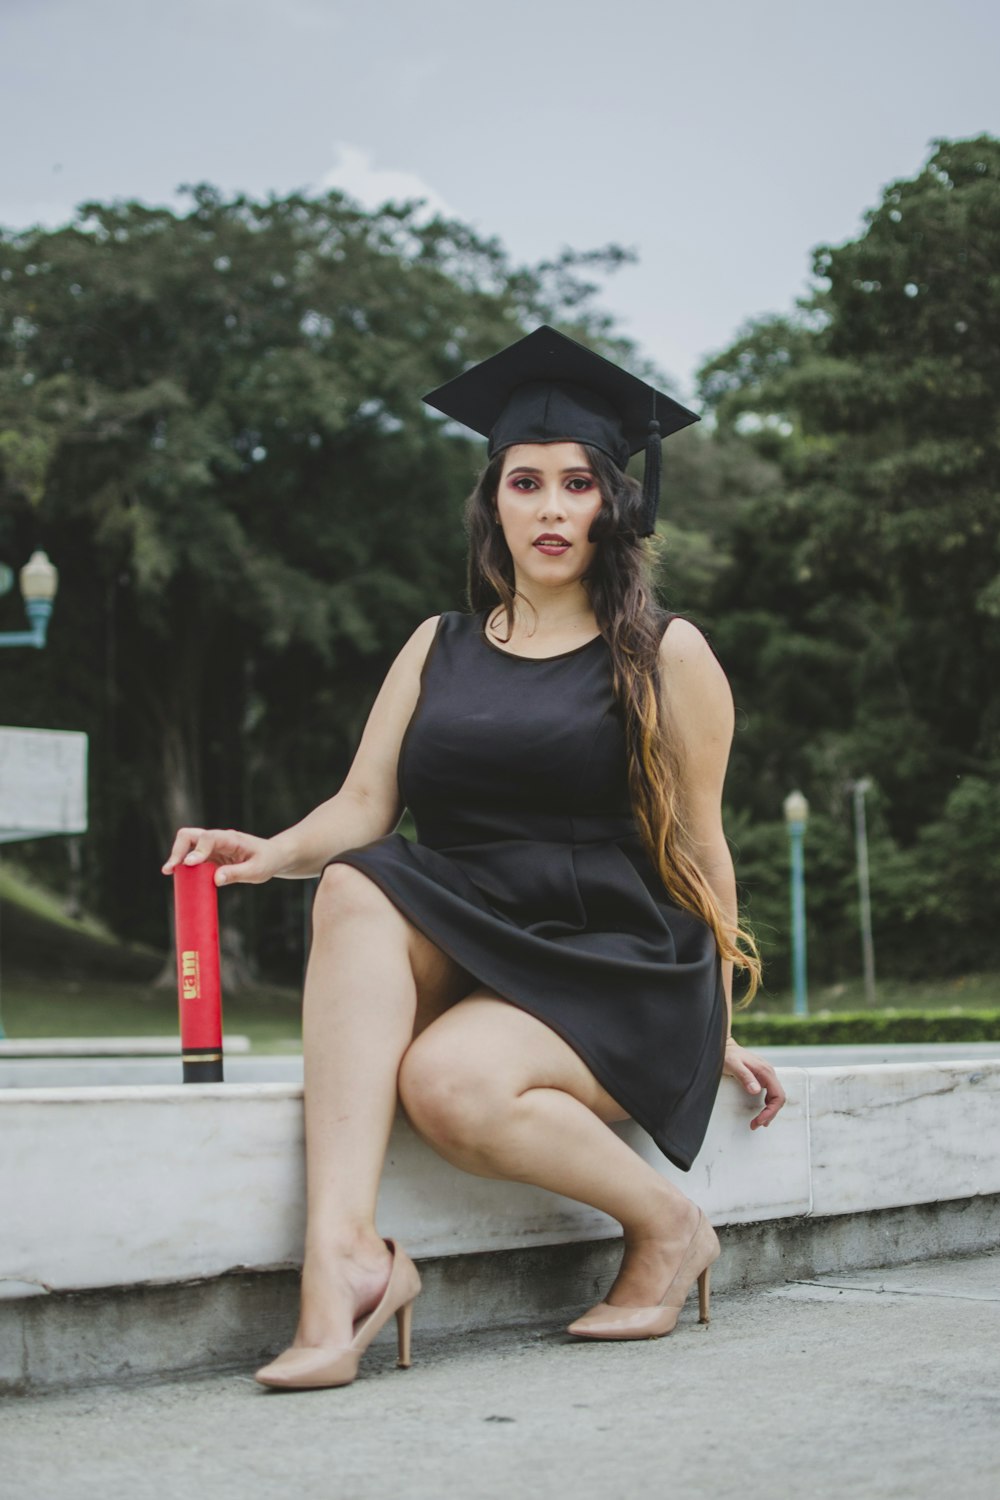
606 1321
307 1369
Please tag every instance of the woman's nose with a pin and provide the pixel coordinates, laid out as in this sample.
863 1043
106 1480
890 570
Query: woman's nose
550 503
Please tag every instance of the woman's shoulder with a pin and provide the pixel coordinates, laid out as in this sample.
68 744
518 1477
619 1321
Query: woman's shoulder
453 622
425 631
693 681
683 641
430 630
449 615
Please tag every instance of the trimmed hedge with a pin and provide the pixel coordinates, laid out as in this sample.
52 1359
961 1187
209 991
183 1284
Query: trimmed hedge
860 1027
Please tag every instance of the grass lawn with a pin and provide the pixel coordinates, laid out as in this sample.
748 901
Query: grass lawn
65 977
41 1007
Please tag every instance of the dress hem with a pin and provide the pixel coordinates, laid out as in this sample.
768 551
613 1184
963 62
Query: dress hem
663 1144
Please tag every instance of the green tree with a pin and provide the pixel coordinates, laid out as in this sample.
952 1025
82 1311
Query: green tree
212 420
861 610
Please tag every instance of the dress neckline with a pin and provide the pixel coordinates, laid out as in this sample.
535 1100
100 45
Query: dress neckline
557 656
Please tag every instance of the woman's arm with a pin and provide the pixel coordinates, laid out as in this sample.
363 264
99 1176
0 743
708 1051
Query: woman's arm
368 804
700 719
366 807
699 716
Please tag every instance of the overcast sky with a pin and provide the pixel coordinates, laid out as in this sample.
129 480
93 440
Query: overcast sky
721 139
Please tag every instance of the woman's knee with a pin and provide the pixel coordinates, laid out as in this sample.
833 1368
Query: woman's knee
346 893
450 1098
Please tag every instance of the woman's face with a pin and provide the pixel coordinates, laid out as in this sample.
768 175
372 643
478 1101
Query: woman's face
548 488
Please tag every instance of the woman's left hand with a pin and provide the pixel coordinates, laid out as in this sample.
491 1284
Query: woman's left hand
755 1075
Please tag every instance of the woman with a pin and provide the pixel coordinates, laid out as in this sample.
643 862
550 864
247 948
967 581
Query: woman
555 951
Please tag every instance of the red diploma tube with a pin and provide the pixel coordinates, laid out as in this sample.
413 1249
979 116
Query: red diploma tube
199 987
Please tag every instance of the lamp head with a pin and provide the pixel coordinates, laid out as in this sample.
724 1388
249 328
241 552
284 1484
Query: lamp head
39 578
796 808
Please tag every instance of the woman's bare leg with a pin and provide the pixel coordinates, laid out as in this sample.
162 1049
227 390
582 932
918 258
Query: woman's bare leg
372 980
498 1093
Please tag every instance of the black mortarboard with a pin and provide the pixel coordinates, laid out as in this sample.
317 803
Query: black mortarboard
547 388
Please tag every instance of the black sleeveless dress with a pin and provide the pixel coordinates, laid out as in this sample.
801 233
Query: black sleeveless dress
529 870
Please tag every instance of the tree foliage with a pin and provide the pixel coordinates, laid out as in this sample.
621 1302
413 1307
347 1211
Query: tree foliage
860 611
213 422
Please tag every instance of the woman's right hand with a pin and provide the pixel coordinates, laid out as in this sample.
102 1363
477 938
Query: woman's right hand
240 856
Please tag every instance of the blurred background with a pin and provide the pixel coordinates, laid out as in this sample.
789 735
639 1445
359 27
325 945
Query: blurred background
240 240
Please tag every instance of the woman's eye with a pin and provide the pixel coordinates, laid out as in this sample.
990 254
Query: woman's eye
577 483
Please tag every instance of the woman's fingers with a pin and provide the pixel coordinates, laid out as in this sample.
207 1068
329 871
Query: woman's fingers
756 1076
204 848
749 1079
251 870
225 846
185 840
774 1094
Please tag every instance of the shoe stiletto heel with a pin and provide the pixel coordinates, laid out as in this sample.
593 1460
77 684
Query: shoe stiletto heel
302 1369
404 1322
609 1321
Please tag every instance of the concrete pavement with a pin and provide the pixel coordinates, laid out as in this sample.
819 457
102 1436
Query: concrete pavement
869 1385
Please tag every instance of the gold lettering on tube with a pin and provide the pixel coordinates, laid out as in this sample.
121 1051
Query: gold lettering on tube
191 975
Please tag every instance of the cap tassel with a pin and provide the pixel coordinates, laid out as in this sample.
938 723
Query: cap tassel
651 479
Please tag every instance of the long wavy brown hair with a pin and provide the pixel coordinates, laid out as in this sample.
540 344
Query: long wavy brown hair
620 587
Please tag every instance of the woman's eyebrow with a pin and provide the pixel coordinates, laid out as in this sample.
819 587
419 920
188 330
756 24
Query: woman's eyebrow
575 469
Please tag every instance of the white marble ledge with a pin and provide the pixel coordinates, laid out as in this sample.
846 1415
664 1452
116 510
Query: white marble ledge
136 1184
132 1184
898 1133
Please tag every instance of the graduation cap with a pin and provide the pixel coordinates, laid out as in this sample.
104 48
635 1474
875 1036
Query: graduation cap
547 388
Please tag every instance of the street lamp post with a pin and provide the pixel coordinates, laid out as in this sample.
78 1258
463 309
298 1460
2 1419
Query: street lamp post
39 583
796 814
39 580
859 787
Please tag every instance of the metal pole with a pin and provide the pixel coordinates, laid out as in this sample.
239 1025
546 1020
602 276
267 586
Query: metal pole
39 612
864 888
796 830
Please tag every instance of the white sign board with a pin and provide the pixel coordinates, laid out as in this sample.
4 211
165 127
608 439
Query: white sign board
43 783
